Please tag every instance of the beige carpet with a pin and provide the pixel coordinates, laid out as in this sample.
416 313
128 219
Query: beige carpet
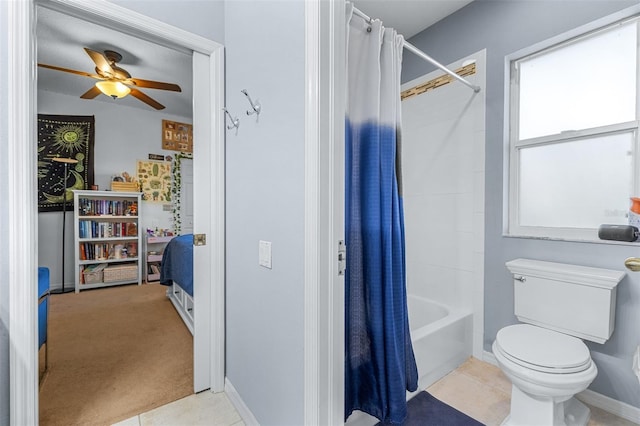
114 353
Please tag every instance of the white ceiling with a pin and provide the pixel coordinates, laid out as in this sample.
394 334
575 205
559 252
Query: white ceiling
61 39
409 17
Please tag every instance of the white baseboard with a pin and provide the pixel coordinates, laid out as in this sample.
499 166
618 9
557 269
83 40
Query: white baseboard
247 416
490 358
610 405
595 399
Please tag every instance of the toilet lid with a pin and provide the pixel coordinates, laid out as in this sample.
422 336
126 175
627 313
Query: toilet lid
543 350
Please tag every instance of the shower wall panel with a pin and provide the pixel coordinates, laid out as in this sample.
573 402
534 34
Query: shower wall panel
443 182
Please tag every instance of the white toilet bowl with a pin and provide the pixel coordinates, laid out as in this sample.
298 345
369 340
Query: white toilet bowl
546 369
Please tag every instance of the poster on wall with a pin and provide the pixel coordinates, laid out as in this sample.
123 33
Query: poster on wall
177 136
69 139
155 180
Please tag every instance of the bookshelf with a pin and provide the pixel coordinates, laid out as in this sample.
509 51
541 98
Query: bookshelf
154 247
107 238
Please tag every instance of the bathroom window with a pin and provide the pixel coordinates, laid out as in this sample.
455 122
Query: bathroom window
573 134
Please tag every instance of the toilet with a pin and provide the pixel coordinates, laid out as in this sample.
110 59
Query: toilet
545 357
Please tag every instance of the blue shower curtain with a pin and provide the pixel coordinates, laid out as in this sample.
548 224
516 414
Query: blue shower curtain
379 362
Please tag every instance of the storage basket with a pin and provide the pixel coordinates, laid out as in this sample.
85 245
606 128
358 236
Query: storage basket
120 273
125 186
93 274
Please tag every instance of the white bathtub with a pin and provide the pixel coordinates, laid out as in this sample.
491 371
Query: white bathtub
441 337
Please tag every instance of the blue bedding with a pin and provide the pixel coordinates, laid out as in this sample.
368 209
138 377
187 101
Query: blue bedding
177 263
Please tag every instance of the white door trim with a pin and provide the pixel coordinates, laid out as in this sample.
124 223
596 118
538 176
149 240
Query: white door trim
22 117
324 212
22 206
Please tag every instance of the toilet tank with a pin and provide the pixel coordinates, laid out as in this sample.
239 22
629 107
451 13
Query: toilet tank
575 300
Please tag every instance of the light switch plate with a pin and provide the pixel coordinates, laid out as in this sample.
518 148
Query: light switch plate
264 254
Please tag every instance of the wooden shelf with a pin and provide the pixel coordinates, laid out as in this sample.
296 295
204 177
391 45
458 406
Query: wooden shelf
91 262
153 277
103 284
156 245
107 224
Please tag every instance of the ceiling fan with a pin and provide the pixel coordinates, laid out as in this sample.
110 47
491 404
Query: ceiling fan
115 81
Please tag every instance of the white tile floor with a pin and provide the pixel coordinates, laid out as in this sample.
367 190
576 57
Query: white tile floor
476 388
482 391
204 408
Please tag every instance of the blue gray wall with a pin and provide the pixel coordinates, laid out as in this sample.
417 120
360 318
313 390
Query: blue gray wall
4 214
503 27
265 201
264 45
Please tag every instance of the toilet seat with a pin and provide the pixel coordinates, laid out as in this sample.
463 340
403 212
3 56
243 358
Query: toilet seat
543 350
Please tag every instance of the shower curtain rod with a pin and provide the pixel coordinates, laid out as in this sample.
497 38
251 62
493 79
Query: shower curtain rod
411 48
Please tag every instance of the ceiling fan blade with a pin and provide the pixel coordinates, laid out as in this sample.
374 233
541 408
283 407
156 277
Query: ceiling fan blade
101 61
91 93
150 84
146 99
86 74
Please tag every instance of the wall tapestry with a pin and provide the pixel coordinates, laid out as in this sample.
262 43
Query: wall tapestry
63 136
155 180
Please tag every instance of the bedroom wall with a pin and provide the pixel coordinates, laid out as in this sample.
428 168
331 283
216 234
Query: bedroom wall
265 201
4 225
123 135
502 28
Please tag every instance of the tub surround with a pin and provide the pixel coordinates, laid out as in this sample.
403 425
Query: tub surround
443 181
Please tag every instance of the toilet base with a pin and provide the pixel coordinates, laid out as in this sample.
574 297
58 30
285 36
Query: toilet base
529 410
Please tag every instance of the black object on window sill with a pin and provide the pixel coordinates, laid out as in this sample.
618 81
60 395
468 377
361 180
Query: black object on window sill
618 232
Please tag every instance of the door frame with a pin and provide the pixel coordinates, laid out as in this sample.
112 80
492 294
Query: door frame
209 137
325 77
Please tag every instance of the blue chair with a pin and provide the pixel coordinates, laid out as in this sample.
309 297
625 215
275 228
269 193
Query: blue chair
43 311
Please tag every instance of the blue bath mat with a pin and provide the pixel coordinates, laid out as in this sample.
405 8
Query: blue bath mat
426 410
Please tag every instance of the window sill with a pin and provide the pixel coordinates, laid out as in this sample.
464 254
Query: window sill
575 240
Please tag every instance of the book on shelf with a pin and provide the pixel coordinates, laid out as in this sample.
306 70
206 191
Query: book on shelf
104 251
96 229
90 207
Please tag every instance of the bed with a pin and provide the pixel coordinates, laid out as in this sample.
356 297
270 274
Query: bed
176 271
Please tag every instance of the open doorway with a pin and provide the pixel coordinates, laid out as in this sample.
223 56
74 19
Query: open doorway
209 147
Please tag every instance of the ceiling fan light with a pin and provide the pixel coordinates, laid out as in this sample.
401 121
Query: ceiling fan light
115 89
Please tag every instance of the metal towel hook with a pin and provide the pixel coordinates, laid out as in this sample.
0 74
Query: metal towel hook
235 122
254 105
